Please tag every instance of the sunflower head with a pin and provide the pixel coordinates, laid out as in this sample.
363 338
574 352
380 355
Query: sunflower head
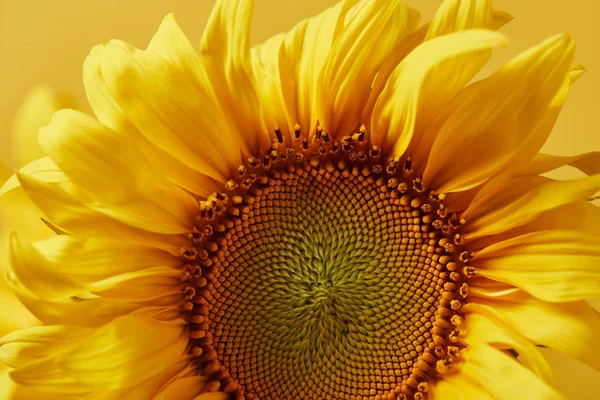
340 212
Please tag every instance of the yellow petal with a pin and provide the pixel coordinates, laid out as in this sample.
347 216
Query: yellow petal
142 285
571 328
408 88
169 108
502 376
555 266
486 325
171 43
62 204
265 67
73 310
301 59
37 273
182 389
25 346
14 314
10 390
108 111
402 49
457 15
491 119
588 163
517 201
88 260
121 181
43 168
539 134
457 387
212 396
225 55
150 387
35 112
111 357
370 32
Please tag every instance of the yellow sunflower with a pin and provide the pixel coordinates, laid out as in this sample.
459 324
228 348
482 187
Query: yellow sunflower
337 213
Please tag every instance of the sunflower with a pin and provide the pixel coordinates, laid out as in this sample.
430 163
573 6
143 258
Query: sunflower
337 213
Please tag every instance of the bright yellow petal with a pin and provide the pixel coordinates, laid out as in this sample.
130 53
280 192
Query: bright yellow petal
408 88
168 108
370 32
571 328
520 200
113 356
182 389
225 55
171 43
502 376
555 265
67 210
494 118
301 60
265 66
121 181
35 112
457 387
457 15
486 325
30 267
109 112
212 396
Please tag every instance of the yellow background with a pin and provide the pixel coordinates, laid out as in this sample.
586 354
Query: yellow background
47 41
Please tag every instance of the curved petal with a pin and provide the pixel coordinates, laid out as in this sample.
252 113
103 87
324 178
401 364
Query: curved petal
370 32
571 328
109 357
517 201
557 266
302 57
35 112
109 112
502 376
67 209
486 325
169 108
225 55
265 67
182 389
171 44
409 87
493 118
108 167
457 387
88 260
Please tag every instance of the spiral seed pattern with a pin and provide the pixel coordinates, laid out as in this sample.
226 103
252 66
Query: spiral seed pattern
325 274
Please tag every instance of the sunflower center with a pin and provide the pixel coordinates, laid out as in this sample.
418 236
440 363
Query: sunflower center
325 274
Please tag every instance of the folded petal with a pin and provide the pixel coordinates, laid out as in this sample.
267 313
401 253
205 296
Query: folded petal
370 32
111 357
225 55
35 112
492 119
486 325
502 376
409 88
67 209
109 112
301 60
571 328
112 171
517 201
555 265
169 108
